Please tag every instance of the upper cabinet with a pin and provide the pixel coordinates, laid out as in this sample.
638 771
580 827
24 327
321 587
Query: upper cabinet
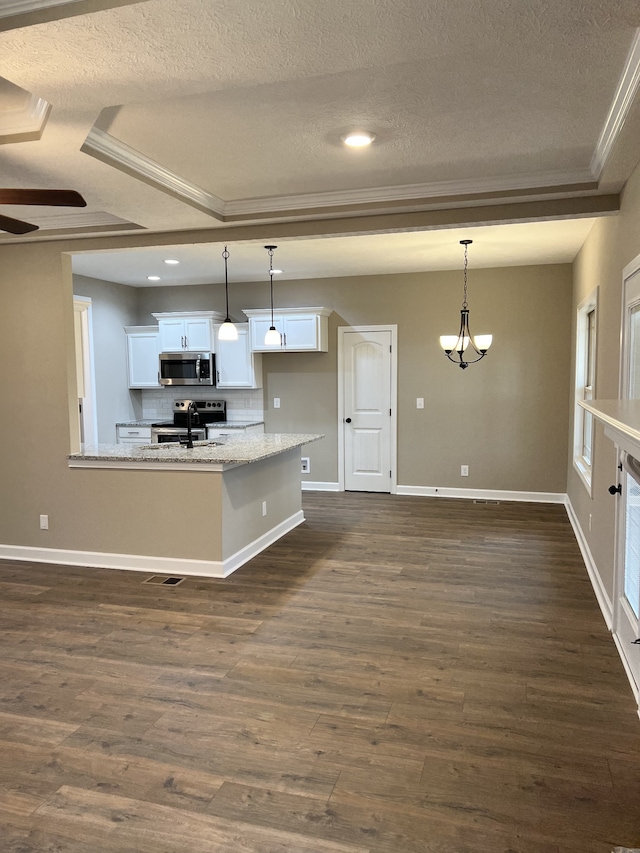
236 365
301 329
191 331
142 356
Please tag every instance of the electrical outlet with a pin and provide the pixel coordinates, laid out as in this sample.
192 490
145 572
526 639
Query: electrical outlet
264 508
305 467
276 402
419 402
464 470
44 522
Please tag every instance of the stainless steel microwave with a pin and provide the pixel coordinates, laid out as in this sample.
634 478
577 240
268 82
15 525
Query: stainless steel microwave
187 368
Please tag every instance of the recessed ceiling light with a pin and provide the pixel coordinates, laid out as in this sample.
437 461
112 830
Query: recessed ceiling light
171 261
153 278
276 272
358 139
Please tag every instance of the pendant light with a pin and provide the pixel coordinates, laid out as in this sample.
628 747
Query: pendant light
461 342
272 338
227 331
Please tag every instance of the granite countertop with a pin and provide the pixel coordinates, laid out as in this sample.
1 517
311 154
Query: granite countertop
147 422
238 450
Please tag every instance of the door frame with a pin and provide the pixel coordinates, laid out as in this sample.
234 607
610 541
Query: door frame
630 270
82 306
393 434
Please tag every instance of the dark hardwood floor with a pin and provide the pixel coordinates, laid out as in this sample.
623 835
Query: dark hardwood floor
398 675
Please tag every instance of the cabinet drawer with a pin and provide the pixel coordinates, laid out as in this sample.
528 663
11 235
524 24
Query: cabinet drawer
143 434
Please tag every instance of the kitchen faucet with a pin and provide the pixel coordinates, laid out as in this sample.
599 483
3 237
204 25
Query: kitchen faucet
192 418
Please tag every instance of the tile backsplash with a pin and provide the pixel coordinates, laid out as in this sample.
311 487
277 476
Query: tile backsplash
242 405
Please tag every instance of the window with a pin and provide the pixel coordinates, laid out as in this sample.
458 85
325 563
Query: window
585 387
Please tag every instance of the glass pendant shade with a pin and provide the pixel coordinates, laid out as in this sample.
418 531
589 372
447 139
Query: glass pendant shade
227 331
482 342
272 338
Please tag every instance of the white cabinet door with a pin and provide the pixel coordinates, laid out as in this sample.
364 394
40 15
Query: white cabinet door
300 332
198 335
259 328
191 332
236 365
301 329
142 358
171 335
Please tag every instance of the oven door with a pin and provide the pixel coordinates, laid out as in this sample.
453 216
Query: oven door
164 435
186 368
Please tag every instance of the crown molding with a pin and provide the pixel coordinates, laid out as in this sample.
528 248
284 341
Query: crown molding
27 124
622 100
22 7
107 148
443 192
103 146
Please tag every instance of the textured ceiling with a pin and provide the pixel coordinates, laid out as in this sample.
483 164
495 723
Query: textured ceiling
172 115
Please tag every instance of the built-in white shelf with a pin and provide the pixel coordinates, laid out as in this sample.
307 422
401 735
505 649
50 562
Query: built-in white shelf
621 419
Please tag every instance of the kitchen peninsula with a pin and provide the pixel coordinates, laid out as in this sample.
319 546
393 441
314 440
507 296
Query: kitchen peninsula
251 497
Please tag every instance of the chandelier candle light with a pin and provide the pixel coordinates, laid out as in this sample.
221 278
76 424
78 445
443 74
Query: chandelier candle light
272 338
227 331
462 341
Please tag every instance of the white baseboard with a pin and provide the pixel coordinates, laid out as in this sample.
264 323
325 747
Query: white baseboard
482 494
606 605
261 543
319 486
150 564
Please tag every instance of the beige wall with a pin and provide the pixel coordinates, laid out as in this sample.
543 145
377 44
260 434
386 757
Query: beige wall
506 418
612 243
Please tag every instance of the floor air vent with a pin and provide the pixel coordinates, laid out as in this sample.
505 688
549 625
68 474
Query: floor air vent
163 579
483 501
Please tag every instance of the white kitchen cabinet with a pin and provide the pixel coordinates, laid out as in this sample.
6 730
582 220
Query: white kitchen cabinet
192 331
301 329
236 365
142 356
133 434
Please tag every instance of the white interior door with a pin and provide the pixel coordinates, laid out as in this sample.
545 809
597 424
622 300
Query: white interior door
367 373
627 587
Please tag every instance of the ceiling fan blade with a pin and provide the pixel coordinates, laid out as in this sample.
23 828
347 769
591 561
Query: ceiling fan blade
15 226
51 198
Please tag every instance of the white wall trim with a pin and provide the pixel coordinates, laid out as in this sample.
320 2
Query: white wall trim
606 605
619 109
254 548
318 486
107 148
21 7
634 688
482 494
155 565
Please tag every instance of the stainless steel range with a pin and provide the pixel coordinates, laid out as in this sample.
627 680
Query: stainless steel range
208 411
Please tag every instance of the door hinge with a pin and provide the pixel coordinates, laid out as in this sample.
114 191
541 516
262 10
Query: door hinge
389 412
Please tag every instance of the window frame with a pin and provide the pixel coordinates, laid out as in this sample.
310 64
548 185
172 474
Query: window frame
586 355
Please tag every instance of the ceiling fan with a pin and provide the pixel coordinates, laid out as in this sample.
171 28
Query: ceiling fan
48 198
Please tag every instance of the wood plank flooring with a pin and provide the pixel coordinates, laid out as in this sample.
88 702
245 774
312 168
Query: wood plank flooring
397 675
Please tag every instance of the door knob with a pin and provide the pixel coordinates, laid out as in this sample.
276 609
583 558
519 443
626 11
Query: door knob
613 490
348 420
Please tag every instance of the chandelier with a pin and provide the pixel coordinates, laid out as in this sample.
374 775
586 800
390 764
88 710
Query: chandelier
458 347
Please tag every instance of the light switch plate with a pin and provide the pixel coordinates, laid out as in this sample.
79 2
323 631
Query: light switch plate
419 402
